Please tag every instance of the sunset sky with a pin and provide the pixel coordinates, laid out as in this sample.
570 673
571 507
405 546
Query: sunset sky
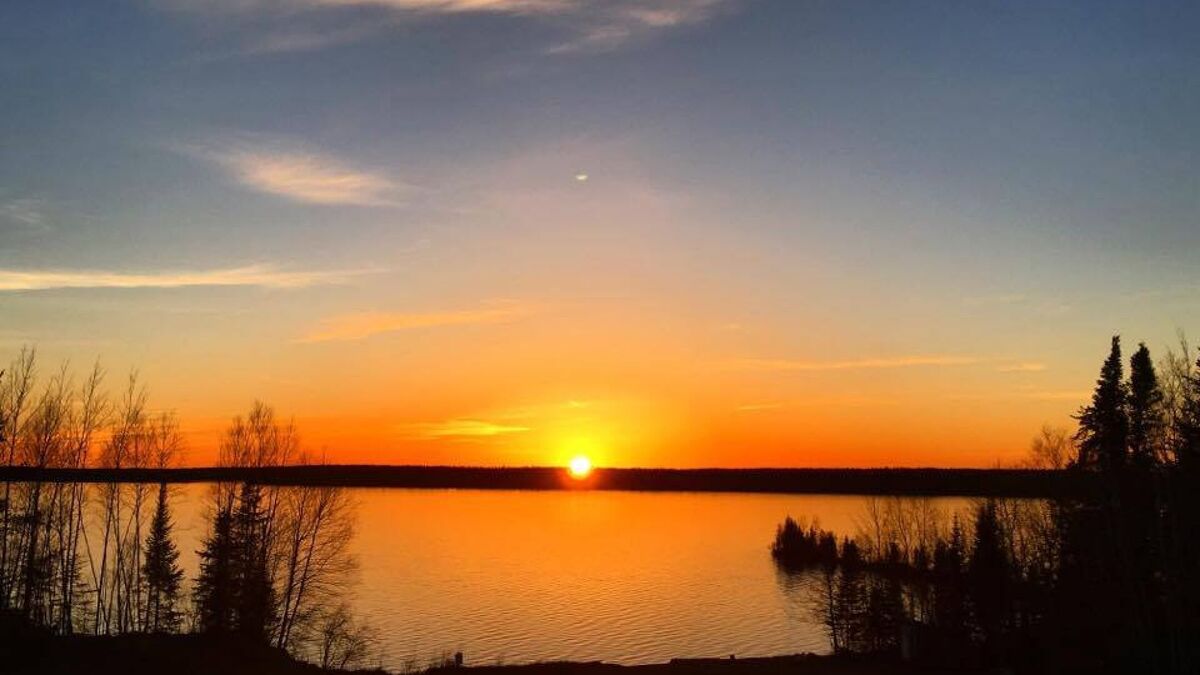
654 232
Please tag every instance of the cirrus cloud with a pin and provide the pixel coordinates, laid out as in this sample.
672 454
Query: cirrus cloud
462 429
265 276
853 364
586 25
1023 367
363 325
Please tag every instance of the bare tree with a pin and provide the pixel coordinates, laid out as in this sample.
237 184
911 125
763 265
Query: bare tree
15 391
89 416
344 641
1178 373
1052 448
317 524
305 531
125 449
42 446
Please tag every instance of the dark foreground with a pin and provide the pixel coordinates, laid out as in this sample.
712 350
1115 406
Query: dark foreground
199 655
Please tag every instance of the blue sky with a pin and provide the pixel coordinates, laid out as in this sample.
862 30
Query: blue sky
197 187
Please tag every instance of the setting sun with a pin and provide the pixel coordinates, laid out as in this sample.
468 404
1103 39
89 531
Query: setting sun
580 466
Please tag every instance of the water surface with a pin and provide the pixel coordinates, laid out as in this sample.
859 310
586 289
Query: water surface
627 577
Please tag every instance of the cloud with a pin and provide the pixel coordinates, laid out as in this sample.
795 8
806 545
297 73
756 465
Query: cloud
367 324
588 25
265 276
462 428
997 299
26 212
301 176
1026 367
759 407
1058 395
857 364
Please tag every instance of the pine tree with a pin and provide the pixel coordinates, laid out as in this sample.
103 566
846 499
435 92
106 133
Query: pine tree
1104 424
214 591
161 570
1145 408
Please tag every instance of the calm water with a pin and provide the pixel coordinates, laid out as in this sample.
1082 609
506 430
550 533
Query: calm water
616 576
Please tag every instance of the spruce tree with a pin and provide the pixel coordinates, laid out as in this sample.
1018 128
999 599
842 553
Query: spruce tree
988 577
161 571
214 590
1104 424
949 593
1145 408
850 599
253 600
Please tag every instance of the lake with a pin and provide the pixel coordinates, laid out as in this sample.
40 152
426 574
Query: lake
626 577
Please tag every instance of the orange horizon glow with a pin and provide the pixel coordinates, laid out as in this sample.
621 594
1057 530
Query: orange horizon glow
654 233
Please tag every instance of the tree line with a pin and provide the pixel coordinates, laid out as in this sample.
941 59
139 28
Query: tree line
1103 580
275 563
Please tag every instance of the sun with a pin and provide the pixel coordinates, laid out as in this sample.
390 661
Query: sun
580 467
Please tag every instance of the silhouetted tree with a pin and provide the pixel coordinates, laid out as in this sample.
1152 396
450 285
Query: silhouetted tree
161 571
314 534
1145 409
885 611
1181 523
1104 424
253 597
949 591
797 548
848 613
988 577
1188 433
344 642
15 396
826 610
214 590
1052 448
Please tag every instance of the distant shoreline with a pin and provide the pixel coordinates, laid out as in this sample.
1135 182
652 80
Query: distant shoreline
915 482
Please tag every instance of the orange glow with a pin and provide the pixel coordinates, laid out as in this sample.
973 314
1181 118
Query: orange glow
622 383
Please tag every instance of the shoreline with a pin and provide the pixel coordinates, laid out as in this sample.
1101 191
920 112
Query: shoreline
37 653
906 482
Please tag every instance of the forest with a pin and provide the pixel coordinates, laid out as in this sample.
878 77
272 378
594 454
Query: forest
1105 580
102 559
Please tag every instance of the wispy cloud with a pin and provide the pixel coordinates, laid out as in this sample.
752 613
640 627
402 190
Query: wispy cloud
995 299
266 276
26 212
856 364
760 407
301 175
588 25
462 428
367 324
1024 367
1058 395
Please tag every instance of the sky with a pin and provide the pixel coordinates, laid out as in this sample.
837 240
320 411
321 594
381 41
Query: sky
654 232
